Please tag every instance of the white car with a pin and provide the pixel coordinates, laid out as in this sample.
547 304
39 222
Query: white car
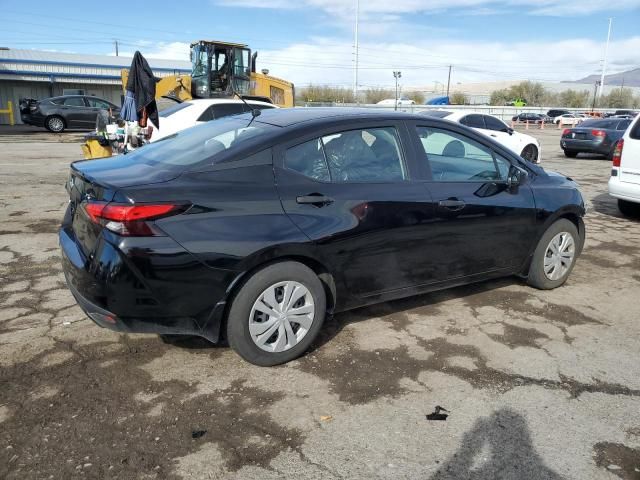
568 119
624 183
193 112
391 102
524 145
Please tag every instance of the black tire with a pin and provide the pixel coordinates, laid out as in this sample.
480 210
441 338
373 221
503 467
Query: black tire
537 277
55 124
530 153
629 209
238 333
570 153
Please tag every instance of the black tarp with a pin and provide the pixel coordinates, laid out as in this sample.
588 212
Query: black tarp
143 85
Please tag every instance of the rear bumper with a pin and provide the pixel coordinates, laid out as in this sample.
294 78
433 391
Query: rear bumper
156 289
586 146
35 120
624 190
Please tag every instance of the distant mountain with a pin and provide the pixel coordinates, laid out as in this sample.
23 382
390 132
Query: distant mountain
630 78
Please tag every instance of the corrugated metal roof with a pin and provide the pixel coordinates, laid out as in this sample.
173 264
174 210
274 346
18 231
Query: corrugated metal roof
75 58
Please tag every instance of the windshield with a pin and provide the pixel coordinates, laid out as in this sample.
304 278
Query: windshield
167 112
600 123
200 144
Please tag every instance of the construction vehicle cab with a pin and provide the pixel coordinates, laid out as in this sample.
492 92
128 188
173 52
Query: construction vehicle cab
220 69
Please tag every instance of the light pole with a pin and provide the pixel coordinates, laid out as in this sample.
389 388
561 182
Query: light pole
396 75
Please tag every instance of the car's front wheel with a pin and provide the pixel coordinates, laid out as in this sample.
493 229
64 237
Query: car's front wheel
555 255
277 314
54 124
530 153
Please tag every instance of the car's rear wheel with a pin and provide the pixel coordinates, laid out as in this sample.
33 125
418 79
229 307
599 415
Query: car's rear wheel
555 255
630 209
54 124
277 314
570 153
530 153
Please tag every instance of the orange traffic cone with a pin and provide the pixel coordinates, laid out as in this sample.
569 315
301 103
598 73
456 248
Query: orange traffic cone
526 127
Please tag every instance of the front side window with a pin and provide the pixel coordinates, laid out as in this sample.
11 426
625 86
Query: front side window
493 123
367 155
473 121
456 158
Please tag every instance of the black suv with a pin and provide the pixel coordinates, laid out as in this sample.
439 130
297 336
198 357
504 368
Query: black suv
556 112
68 111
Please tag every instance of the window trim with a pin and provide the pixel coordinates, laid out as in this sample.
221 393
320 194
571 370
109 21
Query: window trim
280 150
423 157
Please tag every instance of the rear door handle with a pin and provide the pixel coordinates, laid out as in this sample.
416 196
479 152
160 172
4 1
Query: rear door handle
314 199
453 205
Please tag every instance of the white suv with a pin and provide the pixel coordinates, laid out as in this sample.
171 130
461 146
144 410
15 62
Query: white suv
624 183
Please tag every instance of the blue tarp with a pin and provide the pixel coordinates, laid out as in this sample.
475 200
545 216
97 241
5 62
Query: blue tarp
438 101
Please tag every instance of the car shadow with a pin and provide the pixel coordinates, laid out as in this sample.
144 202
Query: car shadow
498 446
607 205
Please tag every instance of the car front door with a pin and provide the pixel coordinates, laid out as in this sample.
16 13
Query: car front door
482 225
350 190
75 112
499 131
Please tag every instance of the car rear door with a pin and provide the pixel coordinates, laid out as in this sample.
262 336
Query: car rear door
630 161
76 112
481 224
350 189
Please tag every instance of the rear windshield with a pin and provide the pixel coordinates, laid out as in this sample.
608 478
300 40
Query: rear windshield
600 124
201 144
436 113
167 112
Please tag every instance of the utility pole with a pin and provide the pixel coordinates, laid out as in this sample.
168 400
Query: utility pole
116 43
595 95
604 60
449 80
355 71
396 75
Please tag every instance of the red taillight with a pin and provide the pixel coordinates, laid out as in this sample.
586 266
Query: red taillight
598 133
566 132
130 220
617 153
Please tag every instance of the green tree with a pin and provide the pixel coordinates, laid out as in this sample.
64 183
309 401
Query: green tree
374 95
458 98
619 98
500 97
325 93
416 96
573 98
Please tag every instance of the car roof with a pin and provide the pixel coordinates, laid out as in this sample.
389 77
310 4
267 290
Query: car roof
285 117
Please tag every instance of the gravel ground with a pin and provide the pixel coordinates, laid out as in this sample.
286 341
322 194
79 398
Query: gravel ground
539 384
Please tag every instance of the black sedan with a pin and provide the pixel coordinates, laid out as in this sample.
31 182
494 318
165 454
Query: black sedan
534 118
256 227
594 136
69 111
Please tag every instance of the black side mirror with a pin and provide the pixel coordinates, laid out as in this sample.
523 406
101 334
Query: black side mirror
508 130
515 176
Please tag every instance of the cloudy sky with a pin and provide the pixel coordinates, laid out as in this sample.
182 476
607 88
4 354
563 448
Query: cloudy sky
312 41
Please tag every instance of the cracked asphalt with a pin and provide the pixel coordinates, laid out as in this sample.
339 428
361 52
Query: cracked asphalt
539 384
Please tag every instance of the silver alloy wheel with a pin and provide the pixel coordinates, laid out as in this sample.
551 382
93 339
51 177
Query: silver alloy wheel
56 124
281 316
559 255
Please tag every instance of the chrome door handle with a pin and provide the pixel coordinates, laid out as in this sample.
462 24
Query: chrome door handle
453 205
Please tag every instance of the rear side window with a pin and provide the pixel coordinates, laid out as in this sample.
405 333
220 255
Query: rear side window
474 121
367 155
94 102
74 102
167 112
57 101
456 158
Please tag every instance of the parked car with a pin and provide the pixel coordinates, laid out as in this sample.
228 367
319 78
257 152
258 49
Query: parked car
624 183
401 102
631 113
593 136
68 111
193 112
568 119
255 228
528 117
524 145
556 112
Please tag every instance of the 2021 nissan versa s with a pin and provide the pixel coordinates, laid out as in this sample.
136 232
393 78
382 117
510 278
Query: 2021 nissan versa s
255 228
